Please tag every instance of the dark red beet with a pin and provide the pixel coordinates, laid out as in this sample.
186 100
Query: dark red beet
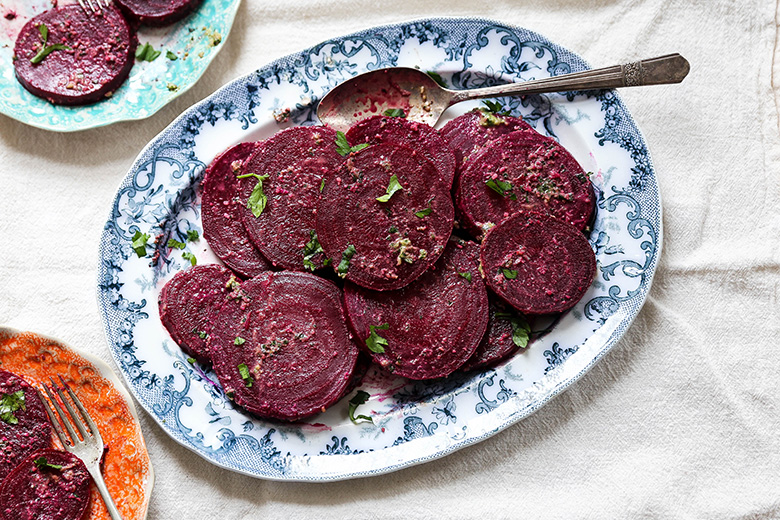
157 12
415 135
23 430
539 265
288 354
187 304
534 173
99 56
36 490
468 134
219 210
431 326
504 325
384 245
296 160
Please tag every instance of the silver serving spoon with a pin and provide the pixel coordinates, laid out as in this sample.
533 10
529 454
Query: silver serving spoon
424 100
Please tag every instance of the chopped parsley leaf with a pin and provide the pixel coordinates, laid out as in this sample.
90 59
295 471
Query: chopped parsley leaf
466 275
424 212
42 463
310 250
342 146
189 256
503 188
346 256
392 187
139 243
257 200
494 107
322 184
9 404
146 53
394 112
193 235
173 243
201 334
435 76
521 330
509 274
239 341
46 49
191 361
243 370
392 229
171 56
361 397
375 342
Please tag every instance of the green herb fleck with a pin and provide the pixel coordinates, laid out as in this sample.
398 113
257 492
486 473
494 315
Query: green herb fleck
243 370
509 274
193 235
424 212
342 146
494 107
9 404
521 330
139 243
435 76
503 188
171 56
146 53
239 341
392 229
201 334
257 200
310 250
173 243
392 187
374 341
322 184
466 275
395 112
189 256
346 256
361 397
172 87
46 49
191 360
41 463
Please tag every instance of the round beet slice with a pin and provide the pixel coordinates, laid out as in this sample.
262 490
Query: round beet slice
189 301
415 135
49 484
296 162
24 425
507 331
288 354
524 171
471 132
377 239
90 54
539 265
219 211
157 12
429 328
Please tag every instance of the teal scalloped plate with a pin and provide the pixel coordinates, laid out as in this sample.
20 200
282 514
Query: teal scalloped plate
195 40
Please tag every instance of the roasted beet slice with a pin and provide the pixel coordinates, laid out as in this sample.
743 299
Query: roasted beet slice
415 135
507 331
296 162
49 484
219 211
378 239
539 265
471 132
189 301
94 54
429 328
157 12
524 171
24 426
288 354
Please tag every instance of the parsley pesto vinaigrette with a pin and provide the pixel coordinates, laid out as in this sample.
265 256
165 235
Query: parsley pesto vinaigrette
411 421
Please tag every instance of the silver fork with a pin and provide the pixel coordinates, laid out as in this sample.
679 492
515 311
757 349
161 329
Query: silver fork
100 4
90 447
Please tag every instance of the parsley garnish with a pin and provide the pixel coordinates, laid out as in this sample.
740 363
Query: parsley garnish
424 212
375 342
193 235
435 76
201 334
509 274
46 49
494 107
342 146
139 243
361 397
239 341
503 188
257 200
41 463
310 250
466 275
171 56
243 370
521 331
146 53
322 184
9 404
172 242
191 361
392 187
189 256
346 256
394 112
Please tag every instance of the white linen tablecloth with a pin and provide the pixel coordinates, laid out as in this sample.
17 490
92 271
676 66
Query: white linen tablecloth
680 420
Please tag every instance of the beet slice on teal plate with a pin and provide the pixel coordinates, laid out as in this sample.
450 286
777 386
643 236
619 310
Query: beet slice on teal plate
157 12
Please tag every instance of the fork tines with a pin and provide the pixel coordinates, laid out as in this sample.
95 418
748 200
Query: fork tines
82 421
89 5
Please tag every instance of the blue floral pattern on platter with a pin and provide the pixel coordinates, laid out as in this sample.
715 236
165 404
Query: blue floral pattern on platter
412 421
195 41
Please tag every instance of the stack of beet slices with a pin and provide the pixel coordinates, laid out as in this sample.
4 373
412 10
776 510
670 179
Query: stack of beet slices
341 246
35 480
70 56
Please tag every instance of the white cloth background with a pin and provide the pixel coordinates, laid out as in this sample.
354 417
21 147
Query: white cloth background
680 420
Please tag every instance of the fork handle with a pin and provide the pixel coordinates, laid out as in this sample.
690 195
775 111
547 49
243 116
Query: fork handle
671 68
97 477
